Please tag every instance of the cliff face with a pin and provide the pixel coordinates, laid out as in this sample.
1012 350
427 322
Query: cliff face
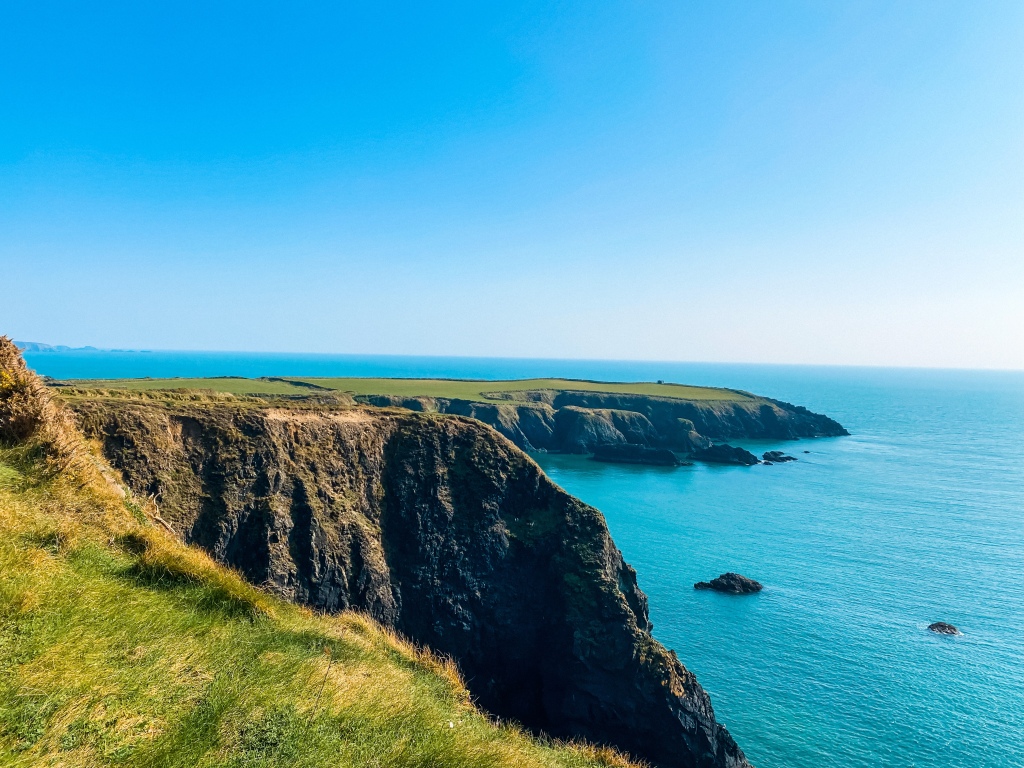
577 421
439 528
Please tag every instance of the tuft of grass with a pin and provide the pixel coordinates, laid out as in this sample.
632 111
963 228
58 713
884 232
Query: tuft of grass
162 563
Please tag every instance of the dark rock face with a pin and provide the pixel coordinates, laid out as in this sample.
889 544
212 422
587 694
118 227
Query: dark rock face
943 628
732 583
437 527
635 454
719 420
579 430
725 454
777 457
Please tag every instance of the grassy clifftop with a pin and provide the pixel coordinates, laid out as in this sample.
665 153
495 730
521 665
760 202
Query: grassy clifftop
455 389
121 646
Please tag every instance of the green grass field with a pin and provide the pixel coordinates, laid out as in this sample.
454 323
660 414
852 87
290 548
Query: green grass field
456 389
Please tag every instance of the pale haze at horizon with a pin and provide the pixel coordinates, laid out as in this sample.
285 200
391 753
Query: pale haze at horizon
750 182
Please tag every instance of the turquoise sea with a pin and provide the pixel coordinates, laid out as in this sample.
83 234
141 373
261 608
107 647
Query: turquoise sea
917 517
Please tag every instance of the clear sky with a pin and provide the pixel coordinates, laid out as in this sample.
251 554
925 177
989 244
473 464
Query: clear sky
800 182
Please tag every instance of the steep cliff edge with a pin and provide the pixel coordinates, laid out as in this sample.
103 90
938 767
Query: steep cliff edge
120 645
437 527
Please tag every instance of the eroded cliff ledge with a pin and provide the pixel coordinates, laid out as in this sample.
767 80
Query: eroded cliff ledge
438 527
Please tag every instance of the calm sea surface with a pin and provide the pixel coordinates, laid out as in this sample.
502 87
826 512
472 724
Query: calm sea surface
917 517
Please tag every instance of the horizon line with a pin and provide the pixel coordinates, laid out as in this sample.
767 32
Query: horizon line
61 348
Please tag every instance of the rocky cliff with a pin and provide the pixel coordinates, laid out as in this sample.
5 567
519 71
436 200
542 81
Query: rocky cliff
578 421
439 528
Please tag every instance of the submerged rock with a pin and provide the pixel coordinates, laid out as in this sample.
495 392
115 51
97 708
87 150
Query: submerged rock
942 628
726 454
635 454
732 583
776 457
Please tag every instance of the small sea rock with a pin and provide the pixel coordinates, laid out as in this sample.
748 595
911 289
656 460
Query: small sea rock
732 583
943 628
724 453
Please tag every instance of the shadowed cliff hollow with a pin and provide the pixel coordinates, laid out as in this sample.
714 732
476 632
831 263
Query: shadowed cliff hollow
438 527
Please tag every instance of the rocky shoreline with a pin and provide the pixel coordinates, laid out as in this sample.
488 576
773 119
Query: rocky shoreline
438 528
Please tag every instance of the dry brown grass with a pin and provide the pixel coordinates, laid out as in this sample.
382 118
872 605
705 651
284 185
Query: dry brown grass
29 416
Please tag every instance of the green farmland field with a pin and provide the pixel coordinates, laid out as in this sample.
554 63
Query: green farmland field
462 389
455 389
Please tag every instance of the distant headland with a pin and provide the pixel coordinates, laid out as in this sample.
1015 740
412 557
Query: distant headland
36 347
562 415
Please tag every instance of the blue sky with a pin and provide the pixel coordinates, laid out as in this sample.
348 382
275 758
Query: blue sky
799 182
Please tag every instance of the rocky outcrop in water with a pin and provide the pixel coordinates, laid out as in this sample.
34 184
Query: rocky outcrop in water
731 583
636 454
440 528
725 454
942 628
776 457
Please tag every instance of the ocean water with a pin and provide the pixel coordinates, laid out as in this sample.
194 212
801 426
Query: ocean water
917 517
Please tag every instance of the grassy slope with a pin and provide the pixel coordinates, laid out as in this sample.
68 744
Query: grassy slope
461 389
120 646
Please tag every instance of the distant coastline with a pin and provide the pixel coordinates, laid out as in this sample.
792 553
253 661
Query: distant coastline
38 347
